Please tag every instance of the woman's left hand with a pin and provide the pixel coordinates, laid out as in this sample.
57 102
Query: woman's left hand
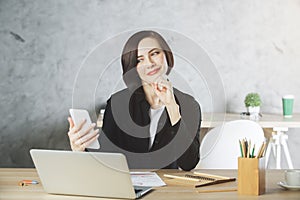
164 91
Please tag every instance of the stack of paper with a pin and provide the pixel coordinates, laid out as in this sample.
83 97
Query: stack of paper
147 179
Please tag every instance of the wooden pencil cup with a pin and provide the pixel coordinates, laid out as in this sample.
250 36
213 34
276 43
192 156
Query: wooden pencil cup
251 176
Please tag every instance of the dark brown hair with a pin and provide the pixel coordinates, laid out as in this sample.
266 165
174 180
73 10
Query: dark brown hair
130 53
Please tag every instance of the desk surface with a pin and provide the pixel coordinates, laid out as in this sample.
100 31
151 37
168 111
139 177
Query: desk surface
266 121
9 188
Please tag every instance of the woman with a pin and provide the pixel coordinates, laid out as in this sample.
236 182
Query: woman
154 125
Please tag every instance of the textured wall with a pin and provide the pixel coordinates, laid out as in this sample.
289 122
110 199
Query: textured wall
255 46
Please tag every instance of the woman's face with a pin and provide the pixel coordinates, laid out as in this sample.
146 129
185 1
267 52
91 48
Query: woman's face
152 64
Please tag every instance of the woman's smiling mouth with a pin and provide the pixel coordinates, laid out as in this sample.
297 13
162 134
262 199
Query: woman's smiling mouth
153 71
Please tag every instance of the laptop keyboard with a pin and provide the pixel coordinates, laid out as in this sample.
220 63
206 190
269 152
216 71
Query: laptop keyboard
137 190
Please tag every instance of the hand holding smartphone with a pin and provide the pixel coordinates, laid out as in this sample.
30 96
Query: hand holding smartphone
78 115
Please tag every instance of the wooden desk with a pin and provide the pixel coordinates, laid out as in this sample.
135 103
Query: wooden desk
9 189
210 120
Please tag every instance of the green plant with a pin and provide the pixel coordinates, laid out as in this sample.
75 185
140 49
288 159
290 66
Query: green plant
252 99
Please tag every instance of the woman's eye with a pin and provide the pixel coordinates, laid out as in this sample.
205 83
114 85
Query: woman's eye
138 61
155 53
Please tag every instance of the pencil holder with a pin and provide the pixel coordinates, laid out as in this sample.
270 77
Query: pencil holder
251 176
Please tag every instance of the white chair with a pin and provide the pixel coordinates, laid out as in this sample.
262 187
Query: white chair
220 148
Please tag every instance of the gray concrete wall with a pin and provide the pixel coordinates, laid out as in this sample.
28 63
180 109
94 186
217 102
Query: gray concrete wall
254 45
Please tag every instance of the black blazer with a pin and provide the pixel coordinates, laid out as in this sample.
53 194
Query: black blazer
126 130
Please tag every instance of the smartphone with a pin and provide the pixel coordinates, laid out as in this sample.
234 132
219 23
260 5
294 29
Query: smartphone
77 116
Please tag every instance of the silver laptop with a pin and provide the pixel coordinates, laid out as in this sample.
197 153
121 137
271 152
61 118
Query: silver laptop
85 173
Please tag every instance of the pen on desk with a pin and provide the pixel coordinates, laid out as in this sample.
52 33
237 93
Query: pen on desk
27 182
30 181
181 177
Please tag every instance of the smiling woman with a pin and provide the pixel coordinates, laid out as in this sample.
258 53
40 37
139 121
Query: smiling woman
152 123
151 60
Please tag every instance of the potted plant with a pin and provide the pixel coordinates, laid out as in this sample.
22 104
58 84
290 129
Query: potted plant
252 102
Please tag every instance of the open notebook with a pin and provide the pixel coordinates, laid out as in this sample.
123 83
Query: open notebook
196 179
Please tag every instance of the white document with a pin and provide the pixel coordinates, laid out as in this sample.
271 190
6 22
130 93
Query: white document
148 179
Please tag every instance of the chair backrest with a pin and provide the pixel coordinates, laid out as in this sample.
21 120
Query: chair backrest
220 148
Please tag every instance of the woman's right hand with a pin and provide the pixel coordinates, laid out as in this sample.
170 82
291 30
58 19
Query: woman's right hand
79 139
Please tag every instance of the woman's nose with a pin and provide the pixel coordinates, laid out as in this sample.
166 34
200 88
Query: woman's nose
149 63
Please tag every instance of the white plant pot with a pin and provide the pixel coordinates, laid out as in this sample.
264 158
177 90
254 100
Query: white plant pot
253 109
